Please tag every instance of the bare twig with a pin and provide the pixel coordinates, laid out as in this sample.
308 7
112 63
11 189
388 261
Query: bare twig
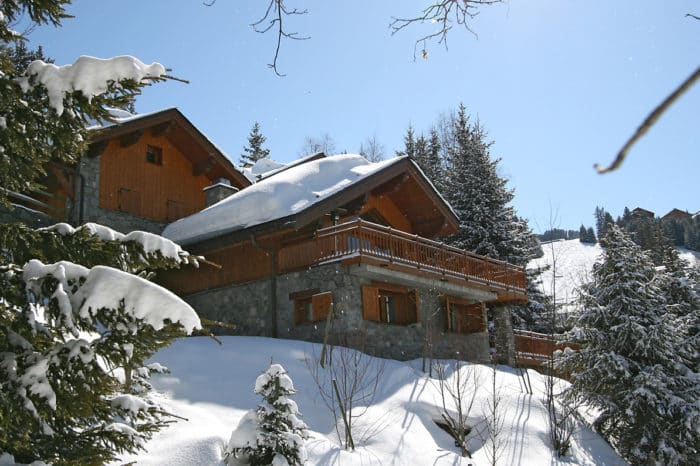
650 121
274 14
690 15
444 13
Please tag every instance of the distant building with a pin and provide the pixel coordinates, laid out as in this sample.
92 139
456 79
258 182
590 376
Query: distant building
641 213
677 214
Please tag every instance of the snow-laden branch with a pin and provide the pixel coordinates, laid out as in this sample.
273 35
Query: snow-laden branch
108 288
89 75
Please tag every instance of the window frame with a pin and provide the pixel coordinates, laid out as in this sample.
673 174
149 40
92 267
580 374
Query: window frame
311 306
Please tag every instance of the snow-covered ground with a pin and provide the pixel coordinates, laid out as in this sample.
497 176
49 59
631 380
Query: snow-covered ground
574 262
212 386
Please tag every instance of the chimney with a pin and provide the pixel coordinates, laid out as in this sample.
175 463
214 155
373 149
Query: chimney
219 189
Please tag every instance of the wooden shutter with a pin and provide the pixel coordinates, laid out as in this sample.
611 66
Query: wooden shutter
321 305
370 303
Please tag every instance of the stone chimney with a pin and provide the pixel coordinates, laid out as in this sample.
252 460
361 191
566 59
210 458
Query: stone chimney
220 189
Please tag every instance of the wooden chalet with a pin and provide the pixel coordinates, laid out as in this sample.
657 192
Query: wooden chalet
140 172
677 214
370 247
638 212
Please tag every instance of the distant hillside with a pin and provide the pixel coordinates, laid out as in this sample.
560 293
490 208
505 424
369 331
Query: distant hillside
574 261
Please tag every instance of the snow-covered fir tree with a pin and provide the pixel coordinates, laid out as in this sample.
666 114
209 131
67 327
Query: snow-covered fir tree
487 222
632 368
426 153
273 434
78 317
254 151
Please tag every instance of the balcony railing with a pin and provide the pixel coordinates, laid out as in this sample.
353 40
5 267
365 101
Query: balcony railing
361 239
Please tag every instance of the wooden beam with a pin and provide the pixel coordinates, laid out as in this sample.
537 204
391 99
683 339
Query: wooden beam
97 148
163 128
203 167
391 186
355 206
130 138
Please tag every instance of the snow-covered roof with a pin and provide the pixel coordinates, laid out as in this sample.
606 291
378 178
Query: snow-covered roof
287 193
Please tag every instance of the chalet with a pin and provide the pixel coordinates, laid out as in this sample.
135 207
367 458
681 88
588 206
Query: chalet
360 236
140 173
677 214
321 241
638 212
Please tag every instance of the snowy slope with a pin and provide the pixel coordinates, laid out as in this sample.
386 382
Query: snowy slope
574 261
212 386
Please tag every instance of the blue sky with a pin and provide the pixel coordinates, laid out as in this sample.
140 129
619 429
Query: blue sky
558 84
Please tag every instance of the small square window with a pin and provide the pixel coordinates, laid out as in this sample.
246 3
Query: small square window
154 155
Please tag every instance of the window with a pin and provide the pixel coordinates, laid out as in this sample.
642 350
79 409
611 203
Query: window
311 305
129 201
391 304
464 317
154 155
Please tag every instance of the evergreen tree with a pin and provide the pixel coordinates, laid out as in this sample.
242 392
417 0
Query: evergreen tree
602 220
409 143
590 234
630 369
583 234
274 434
488 224
254 151
76 323
73 310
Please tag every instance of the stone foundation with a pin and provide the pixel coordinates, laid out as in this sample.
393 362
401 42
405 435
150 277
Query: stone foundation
248 307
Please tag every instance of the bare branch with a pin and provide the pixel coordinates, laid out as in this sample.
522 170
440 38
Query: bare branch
444 13
690 15
650 121
274 14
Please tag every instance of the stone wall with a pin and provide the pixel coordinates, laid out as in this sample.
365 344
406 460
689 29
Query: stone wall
91 212
248 306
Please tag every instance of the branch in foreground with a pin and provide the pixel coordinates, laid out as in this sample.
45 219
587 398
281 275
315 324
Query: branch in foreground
274 14
650 121
444 13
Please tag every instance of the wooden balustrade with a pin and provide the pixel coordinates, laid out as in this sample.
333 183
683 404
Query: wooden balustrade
532 346
364 239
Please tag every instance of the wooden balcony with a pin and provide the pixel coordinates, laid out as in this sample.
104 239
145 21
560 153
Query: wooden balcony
364 242
534 349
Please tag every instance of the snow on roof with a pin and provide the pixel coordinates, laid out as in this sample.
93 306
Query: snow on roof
286 193
122 116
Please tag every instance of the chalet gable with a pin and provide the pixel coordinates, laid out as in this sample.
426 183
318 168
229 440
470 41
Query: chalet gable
206 158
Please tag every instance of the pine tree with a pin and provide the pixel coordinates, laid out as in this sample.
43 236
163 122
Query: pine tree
409 143
630 369
76 322
582 235
274 434
254 151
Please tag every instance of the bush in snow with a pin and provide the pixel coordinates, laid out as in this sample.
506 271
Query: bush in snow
272 434
635 367
76 322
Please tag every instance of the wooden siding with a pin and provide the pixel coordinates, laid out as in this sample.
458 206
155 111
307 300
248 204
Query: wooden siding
167 191
388 210
240 263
